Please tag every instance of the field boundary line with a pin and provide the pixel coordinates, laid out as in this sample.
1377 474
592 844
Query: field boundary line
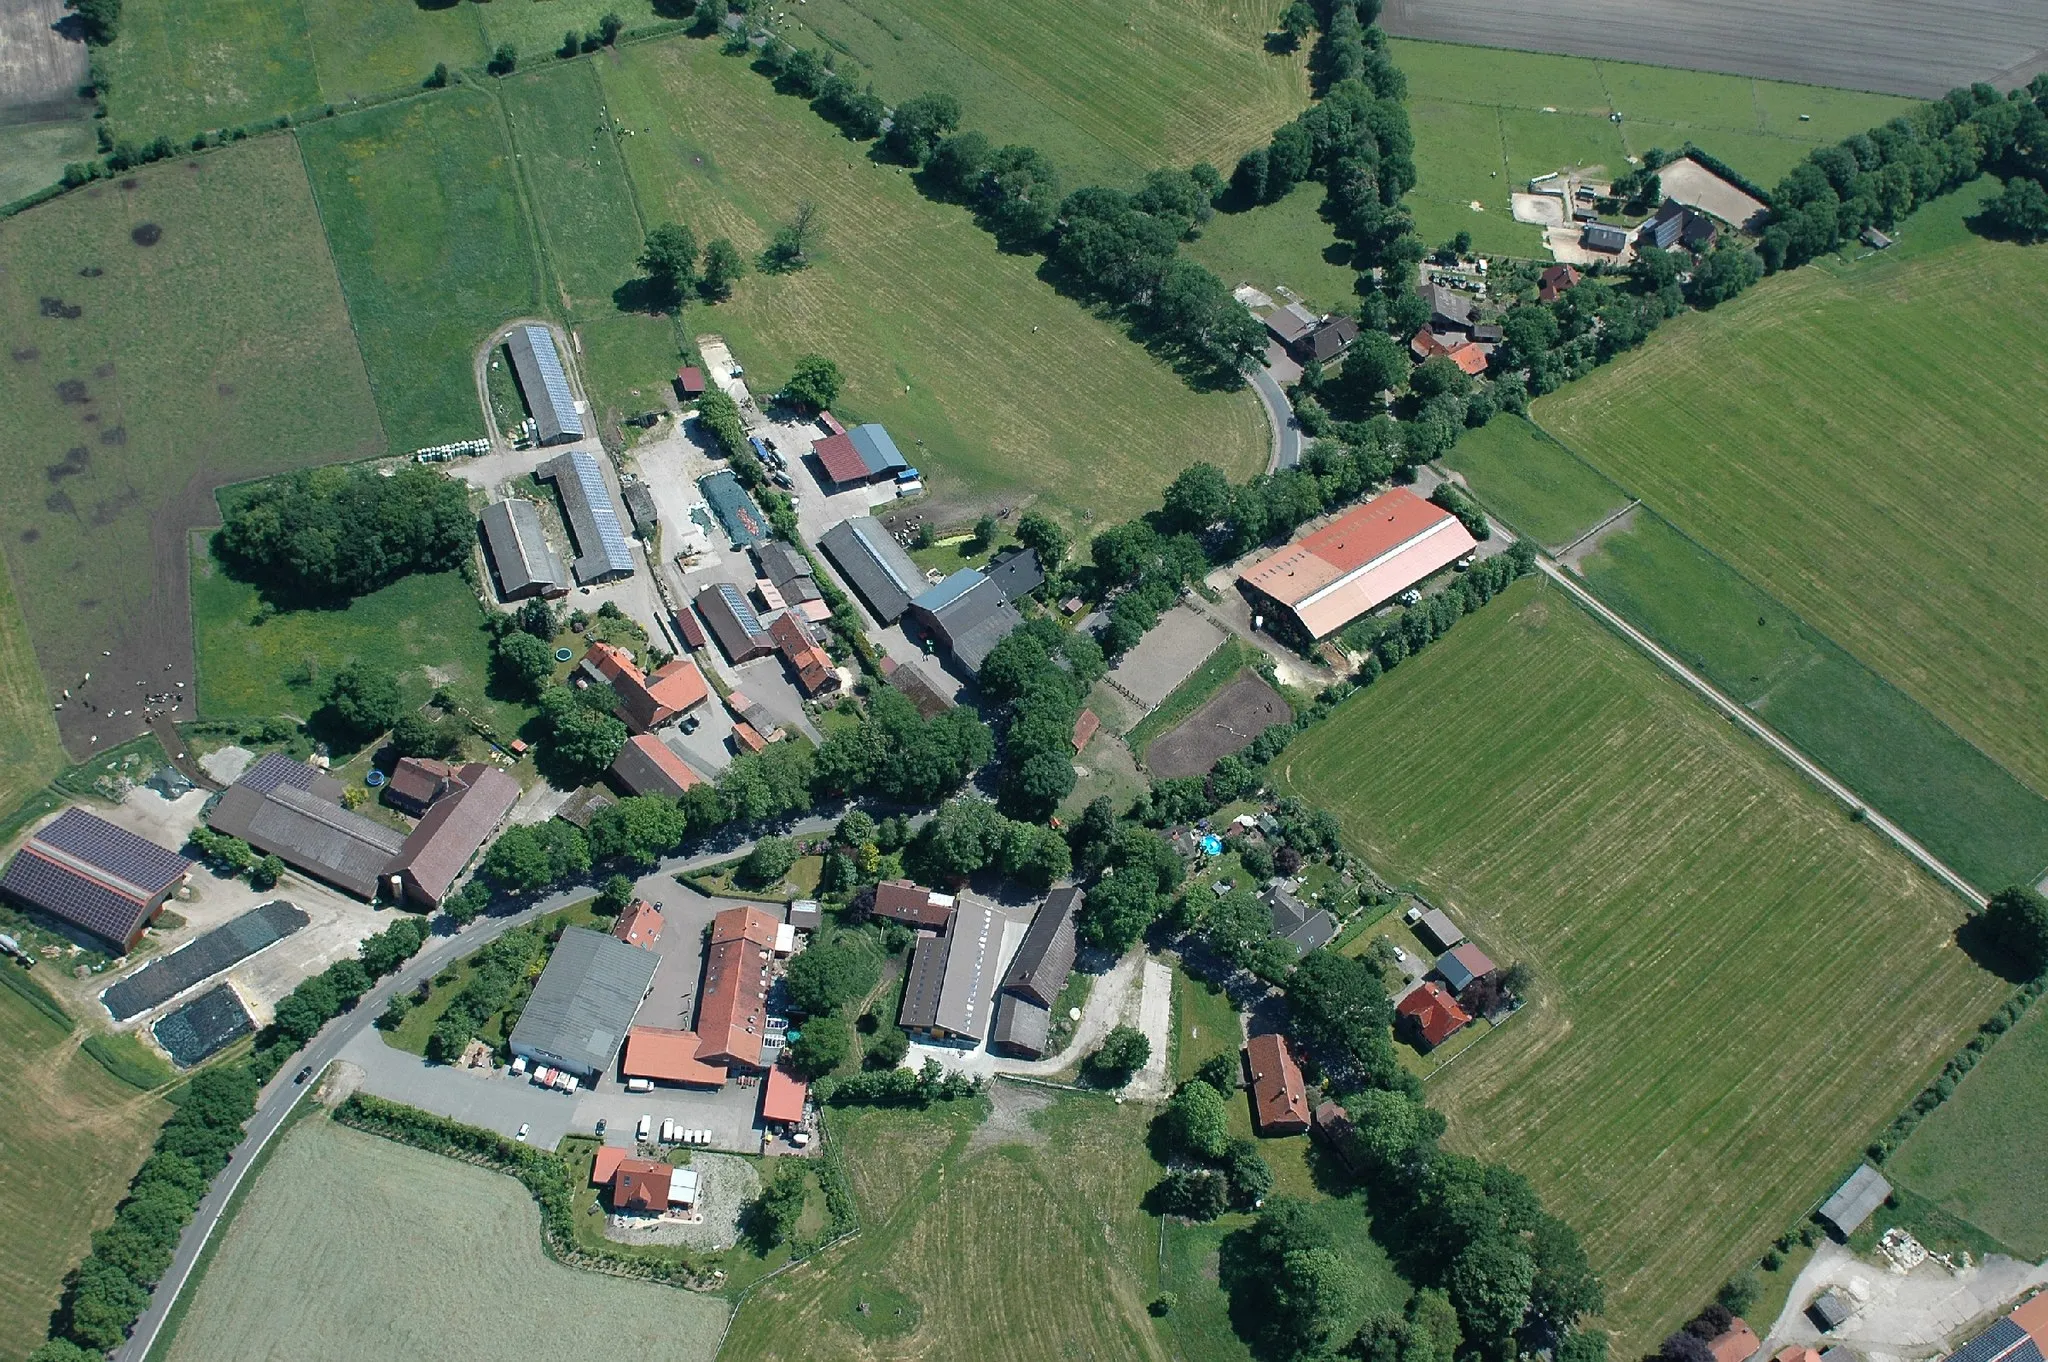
1633 503
1741 716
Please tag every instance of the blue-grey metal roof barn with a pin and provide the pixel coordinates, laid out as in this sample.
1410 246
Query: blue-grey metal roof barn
544 385
602 555
969 614
583 1002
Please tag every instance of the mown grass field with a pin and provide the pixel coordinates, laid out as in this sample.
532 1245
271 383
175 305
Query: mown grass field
421 203
1983 1154
1481 129
1573 808
1532 482
352 1246
180 66
72 1136
1108 91
982 373
1281 245
1024 1241
33 155
1844 440
222 351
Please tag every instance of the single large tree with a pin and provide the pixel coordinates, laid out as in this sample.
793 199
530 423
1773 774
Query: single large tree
723 266
815 384
2016 920
670 259
363 699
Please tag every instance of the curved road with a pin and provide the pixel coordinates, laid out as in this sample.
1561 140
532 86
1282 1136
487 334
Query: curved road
1280 416
1805 765
275 1102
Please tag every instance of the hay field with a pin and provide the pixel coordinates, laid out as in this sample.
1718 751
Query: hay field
979 369
434 250
1021 1241
1842 437
1109 91
72 1135
1983 1154
222 351
1481 129
1573 808
350 1246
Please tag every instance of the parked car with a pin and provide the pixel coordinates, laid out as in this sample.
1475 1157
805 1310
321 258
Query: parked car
523 1128
1409 597
303 1074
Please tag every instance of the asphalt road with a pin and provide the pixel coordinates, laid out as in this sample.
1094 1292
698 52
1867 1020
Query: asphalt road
277 1100
1280 416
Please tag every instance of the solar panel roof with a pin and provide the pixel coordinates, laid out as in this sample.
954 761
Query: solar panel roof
77 898
742 609
611 534
539 362
117 851
275 769
1994 1343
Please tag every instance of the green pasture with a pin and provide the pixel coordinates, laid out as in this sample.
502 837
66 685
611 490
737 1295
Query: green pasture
1841 436
1573 808
1533 483
311 1266
537 27
365 50
1281 245
30 753
220 352
183 66
986 377
1488 119
1983 1154
33 155
1108 90
422 207
73 1135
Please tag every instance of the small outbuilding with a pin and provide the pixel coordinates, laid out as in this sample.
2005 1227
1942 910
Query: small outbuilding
1830 1310
1462 964
1861 1193
1437 930
1605 237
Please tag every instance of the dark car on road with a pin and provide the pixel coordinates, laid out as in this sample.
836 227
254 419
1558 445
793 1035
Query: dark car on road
303 1074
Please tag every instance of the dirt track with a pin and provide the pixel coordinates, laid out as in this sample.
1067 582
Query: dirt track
1896 46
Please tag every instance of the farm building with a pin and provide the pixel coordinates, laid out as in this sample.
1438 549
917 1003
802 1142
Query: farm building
1038 972
1431 1014
967 613
732 1013
783 1097
1737 1343
913 904
646 700
592 516
449 837
1365 557
1861 1193
639 925
1291 322
1676 225
807 658
1829 1310
1016 570
521 558
874 565
1449 310
544 385
1279 1096
805 915
2021 1336
1604 236
81 869
662 1054
1308 928
689 382
1436 929
863 454
734 622
1555 282
952 983
1469 355
583 1003
287 809
648 766
789 571
1308 336
640 508
744 524
1462 964
416 784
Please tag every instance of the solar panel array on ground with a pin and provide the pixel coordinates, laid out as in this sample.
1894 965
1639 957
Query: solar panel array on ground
226 945
203 1026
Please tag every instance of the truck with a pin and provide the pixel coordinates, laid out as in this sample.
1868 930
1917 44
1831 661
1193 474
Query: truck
639 1085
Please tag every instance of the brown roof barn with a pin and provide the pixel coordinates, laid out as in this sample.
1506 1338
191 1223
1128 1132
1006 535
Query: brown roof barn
902 901
453 831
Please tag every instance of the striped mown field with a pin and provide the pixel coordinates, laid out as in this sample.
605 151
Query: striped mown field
1736 985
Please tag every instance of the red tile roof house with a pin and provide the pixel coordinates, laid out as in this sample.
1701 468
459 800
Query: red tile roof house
1739 1344
663 1054
815 673
732 1011
1553 282
641 1185
417 782
1432 1014
913 904
639 925
647 765
647 701
1279 1097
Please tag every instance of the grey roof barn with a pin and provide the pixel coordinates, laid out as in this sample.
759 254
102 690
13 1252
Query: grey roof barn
874 565
1863 1192
584 1001
525 563
592 515
544 384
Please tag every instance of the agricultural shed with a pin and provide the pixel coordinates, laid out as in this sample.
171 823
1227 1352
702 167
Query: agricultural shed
648 766
1462 964
805 915
1023 1027
789 570
840 461
877 450
783 1097
452 833
662 1054
690 381
1279 1096
920 1009
1358 561
1861 1193
1604 236
1039 969
733 622
967 613
287 809
592 515
81 869
967 984
2006 1340
1829 1310
544 384
732 1013
521 558
1675 224
639 499
583 1003
1436 929
1016 570
744 523
874 565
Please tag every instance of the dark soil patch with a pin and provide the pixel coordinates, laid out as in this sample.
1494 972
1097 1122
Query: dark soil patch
130 182
57 307
91 272
104 371
75 461
30 535
60 503
108 510
27 355
148 234
114 435
225 389
1227 723
72 390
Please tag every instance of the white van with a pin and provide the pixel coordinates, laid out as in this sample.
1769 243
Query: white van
668 1131
646 1124
639 1085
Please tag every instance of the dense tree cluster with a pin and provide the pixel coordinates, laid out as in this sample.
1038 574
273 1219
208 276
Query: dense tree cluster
500 977
1040 674
330 534
530 857
1141 875
894 1087
969 835
583 737
896 753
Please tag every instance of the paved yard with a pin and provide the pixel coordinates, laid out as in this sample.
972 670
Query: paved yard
1903 1315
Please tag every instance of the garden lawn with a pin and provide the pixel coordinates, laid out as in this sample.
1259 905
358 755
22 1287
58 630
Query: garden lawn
1281 245
73 1136
1573 808
220 352
1109 91
1482 130
999 388
309 1268
1983 1154
432 242
1844 440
